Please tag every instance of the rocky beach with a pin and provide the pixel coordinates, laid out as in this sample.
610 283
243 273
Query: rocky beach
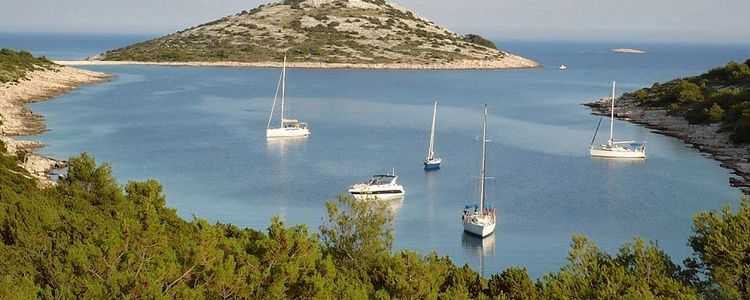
509 61
705 138
18 120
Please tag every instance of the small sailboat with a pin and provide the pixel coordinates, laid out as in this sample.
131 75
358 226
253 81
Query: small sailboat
288 128
562 67
624 149
381 187
432 162
480 221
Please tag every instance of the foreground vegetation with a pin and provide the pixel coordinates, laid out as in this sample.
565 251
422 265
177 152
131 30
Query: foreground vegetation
14 65
721 95
88 237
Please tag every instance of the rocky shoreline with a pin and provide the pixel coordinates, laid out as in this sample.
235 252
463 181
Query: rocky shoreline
510 61
705 138
18 120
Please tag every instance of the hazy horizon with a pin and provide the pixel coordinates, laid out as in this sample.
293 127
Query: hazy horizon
637 20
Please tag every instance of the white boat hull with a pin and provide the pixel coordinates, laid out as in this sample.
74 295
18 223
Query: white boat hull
385 194
617 153
391 196
287 132
479 225
481 230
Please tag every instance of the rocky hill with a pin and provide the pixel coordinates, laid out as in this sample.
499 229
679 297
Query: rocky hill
353 32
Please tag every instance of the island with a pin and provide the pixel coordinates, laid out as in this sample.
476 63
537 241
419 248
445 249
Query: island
320 34
710 111
26 79
627 51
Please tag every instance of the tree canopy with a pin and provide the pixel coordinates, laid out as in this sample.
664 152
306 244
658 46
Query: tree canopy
87 237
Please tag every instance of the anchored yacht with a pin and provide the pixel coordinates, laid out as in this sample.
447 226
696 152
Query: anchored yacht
379 187
288 128
624 149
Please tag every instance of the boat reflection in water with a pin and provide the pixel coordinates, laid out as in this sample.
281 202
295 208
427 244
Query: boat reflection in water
393 203
280 147
480 247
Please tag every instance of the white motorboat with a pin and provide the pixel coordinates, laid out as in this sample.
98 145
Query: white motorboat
380 187
288 128
432 162
480 221
562 67
613 149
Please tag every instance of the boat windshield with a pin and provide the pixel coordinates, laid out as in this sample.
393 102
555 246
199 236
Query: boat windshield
382 179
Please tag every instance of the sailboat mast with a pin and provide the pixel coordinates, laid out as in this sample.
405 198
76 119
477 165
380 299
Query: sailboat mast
611 117
283 87
273 106
482 171
431 151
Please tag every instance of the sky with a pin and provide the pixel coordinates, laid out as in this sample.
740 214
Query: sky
626 20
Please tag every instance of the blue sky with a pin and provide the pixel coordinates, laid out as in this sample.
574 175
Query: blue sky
634 20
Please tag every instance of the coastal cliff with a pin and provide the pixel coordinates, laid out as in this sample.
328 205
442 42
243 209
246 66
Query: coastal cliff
40 81
322 34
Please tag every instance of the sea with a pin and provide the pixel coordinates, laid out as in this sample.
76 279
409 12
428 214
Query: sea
200 131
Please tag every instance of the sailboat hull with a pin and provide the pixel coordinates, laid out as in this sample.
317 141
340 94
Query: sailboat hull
479 229
617 153
432 164
287 132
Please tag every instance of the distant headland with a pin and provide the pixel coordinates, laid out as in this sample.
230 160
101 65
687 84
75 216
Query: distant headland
320 34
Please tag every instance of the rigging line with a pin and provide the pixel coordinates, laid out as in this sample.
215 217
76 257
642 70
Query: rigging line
278 85
597 130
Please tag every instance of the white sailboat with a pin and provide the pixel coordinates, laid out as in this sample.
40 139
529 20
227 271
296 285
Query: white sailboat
432 161
288 128
480 221
613 149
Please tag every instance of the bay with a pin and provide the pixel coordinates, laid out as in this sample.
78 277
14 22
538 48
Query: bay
200 132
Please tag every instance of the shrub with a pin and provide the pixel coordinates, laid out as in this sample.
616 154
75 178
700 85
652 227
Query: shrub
688 92
641 95
478 40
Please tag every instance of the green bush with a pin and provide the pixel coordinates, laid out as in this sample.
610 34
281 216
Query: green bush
479 40
641 95
14 65
688 92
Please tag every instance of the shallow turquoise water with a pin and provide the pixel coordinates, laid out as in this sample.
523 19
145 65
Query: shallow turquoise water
200 132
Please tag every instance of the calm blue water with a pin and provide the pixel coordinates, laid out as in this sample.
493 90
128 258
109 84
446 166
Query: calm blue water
200 132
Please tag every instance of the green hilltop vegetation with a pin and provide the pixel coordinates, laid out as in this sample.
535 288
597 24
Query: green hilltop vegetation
14 65
721 95
88 237
323 31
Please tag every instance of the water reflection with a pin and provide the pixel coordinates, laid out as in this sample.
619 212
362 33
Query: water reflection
615 162
280 147
393 204
478 247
